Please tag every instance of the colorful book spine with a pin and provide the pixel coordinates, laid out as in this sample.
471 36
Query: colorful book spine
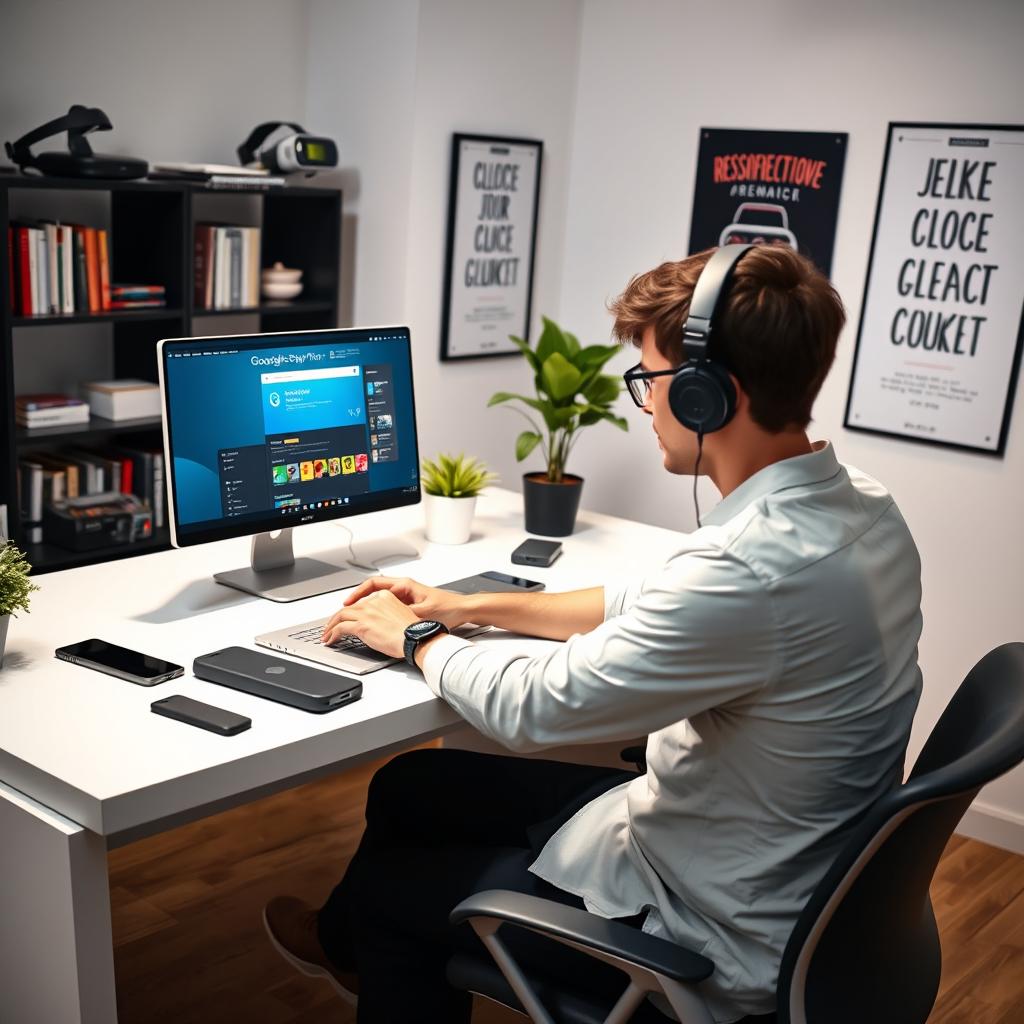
104 268
92 269
24 273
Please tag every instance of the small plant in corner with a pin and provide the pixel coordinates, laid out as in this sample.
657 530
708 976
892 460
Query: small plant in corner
459 476
15 588
571 393
452 484
15 585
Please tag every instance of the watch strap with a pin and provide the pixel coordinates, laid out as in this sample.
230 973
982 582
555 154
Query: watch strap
417 634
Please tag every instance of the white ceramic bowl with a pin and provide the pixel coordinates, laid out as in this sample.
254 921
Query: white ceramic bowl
278 290
281 275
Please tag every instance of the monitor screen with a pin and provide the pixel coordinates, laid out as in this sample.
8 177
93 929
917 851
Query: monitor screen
273 430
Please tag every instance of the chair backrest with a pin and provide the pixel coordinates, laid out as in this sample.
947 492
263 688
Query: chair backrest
866 947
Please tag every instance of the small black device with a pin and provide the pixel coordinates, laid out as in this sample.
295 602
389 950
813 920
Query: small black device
287 682
119 661
417 633
80 161
537 552
702 396
491 582
203 716
297 151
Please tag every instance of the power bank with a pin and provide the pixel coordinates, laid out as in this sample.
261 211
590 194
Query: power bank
287 682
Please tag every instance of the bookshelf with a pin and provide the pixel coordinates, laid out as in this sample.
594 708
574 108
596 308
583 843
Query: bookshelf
150 227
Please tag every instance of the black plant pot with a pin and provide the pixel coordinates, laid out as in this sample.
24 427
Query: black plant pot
551 508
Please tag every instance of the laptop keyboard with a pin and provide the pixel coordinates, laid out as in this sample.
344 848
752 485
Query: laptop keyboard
349 643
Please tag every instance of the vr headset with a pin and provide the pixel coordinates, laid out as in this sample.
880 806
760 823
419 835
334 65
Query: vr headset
80 161
297 151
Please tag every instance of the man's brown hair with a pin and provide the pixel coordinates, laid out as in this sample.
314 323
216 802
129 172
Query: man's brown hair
776 332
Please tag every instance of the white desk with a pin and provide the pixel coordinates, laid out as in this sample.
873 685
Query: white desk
85 765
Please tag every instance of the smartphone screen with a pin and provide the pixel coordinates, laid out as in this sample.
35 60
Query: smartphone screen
119 660
516 581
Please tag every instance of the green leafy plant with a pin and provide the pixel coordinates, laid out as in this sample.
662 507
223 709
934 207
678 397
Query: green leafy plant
458 476
15 586
571 393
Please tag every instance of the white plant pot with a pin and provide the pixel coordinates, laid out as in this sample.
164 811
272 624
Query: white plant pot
449 520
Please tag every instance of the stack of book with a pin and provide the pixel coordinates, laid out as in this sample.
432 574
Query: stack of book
48 410
58 268
223 176
46 477
137 296
227 267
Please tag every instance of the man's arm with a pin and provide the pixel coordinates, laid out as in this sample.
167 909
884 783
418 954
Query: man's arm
551 616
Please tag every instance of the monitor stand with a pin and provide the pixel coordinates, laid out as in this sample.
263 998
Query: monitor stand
277 575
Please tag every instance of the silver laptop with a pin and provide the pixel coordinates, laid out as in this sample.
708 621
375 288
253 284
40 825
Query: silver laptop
351 655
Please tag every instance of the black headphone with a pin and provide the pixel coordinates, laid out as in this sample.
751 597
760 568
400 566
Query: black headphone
702 395
79 161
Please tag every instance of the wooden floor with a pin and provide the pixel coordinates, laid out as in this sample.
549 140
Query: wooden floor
189 947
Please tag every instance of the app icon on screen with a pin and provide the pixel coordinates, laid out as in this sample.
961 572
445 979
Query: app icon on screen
280 475
361 463
306 470
348 464
334 466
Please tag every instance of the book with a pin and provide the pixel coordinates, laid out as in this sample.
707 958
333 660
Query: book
92 269
24 272
53 299
122 399
202 288
208 170
42 272
33 269
103 254
30 498
137 303
137 291
235 271
68 254
45 400
53 417
81 275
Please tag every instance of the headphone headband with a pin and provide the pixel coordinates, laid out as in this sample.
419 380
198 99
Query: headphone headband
708 294
78 121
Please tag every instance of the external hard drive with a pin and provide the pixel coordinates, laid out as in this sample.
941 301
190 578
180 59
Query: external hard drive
287 682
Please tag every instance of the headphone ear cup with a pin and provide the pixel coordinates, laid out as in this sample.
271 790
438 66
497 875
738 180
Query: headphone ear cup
702 397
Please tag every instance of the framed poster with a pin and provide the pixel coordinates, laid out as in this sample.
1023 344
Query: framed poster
779 188
940 335
492 234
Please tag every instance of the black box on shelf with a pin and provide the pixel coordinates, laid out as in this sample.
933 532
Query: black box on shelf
97 521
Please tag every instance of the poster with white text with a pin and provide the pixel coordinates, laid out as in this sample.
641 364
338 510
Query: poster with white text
492 229
939 344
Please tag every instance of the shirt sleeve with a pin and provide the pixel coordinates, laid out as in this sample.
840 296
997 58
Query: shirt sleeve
621 596
699 634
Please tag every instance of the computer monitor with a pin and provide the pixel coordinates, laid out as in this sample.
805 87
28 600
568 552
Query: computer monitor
266 432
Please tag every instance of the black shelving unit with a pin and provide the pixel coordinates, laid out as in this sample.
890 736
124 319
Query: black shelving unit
151 231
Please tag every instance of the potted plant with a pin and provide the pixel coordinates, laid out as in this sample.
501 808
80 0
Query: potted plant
15 587
572 393
451 485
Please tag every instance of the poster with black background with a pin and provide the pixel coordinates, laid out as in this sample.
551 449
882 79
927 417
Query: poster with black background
941 329
768 187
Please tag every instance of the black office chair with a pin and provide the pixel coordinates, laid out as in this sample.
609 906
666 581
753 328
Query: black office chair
864 949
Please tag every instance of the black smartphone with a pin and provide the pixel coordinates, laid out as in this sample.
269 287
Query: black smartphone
119 661
203 716
537 552
514 581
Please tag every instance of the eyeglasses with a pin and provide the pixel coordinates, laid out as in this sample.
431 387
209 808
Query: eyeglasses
638 382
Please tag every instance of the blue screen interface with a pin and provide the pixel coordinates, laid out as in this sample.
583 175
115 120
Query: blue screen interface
265 428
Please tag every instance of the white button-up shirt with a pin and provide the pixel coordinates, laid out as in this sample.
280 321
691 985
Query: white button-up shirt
773 661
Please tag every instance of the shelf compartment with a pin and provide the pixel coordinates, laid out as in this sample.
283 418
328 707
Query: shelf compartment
77 432
46 558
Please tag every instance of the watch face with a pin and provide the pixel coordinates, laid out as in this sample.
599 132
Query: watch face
421 628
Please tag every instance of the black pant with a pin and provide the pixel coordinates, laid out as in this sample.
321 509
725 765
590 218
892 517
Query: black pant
440 826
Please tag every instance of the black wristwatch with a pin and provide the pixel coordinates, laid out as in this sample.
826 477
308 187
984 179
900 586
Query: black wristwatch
417 633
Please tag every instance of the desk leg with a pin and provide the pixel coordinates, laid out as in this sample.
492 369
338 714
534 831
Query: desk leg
56 950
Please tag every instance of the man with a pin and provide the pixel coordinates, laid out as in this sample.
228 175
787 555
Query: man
772 660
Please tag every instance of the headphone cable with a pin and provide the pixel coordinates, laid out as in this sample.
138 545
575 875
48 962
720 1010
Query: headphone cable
696 470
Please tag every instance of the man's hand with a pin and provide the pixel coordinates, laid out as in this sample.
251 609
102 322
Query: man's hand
426 602
378 619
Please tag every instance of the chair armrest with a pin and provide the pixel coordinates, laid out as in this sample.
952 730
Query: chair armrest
585 929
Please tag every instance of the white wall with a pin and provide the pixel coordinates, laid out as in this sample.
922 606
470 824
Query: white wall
181 81
651 75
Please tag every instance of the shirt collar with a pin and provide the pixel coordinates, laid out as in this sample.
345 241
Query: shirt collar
819 464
